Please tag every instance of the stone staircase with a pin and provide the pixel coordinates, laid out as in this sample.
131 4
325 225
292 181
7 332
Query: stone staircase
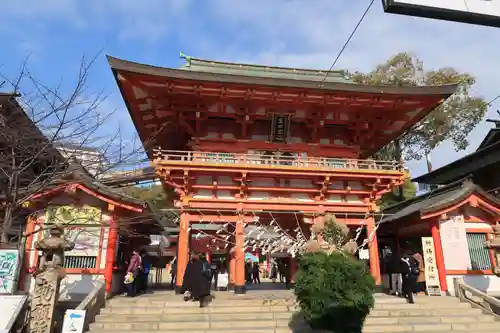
271 312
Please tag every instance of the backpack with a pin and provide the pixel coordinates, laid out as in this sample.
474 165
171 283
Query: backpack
206 270
410 266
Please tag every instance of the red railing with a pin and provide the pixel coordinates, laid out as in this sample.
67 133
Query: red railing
248 160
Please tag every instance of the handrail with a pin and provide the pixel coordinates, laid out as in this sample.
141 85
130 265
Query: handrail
208 157
486 302
93 302
20 315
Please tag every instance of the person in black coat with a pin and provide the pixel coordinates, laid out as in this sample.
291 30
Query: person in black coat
394 267
410 271
197 279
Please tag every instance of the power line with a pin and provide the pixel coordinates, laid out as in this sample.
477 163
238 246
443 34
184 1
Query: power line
493 100
348 41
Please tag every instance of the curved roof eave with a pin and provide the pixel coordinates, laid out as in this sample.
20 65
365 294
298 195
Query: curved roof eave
117 64
439 199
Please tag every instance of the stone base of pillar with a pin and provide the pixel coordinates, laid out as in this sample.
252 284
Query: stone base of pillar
178 290
240 290
44 300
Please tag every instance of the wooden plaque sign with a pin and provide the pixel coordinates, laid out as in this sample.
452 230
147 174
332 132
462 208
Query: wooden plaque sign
279 130
431 272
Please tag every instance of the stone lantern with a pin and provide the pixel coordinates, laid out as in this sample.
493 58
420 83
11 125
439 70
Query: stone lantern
48 279
494 244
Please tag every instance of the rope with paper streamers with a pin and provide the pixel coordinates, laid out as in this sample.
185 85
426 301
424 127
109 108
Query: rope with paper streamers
282 241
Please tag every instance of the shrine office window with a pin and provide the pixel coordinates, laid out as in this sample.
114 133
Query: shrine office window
80 261
479 254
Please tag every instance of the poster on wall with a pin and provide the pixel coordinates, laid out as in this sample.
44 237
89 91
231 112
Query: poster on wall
9 262
83 226
454 243
431 272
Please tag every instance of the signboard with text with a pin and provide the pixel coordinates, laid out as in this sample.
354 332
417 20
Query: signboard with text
74 321
431 273
9 262
83 226
479 12
279 130
454 242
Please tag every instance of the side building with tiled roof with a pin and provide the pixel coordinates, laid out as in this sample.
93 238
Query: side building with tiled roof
458 215
105 224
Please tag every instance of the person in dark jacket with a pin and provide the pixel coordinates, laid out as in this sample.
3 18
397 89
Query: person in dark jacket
410 271
248 271
256 273
144 273
197 279
274 272
281 271
394 267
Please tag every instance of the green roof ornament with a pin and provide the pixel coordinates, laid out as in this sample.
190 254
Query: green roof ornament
345 74
186 57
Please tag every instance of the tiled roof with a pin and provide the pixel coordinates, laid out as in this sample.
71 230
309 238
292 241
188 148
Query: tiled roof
436 200
219 67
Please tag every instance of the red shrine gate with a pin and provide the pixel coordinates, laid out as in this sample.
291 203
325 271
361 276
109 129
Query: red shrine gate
238 141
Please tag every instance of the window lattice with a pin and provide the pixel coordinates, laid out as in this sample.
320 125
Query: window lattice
80 262
479 254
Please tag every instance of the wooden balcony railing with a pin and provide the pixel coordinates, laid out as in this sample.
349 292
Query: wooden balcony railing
218 158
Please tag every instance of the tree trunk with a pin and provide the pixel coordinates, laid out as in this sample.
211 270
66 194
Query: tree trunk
6 225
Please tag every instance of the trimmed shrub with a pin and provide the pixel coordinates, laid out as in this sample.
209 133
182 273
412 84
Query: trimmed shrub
335 291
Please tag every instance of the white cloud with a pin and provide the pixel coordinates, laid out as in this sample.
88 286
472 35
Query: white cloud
134 20
302 35
295 33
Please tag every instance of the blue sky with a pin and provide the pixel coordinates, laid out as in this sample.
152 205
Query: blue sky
296 33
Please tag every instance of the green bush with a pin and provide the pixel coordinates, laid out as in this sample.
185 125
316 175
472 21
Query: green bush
335 291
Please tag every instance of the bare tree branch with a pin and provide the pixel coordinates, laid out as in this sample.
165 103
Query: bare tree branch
38 122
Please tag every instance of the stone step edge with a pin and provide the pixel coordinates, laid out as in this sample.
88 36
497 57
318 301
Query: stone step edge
232 309
269 330
229 302
280 323
281 309
263 303
164 318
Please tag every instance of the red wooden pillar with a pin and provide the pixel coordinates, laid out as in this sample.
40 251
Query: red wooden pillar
232 268
373 248
110 253
182 251
208 256
30 228
239 252
438 248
